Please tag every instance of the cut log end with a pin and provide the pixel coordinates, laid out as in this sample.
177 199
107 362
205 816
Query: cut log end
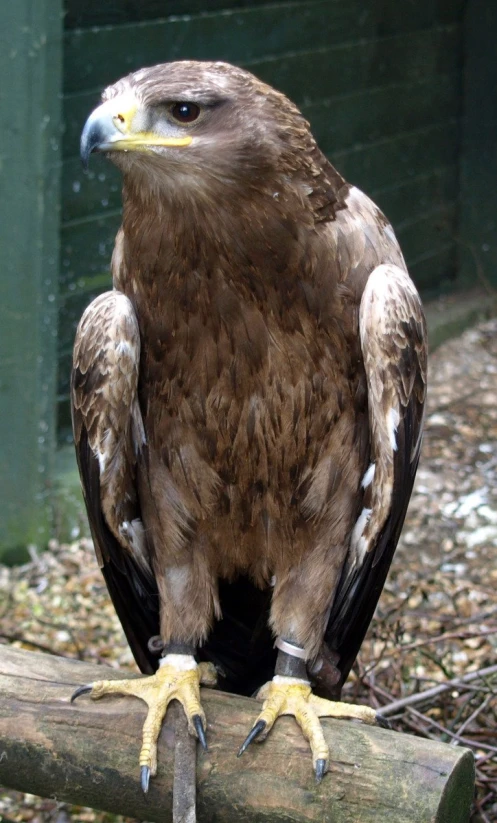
87 754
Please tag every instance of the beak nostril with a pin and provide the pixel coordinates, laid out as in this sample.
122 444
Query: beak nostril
119 121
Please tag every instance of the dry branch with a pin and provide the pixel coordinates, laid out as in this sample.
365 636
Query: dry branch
87 753
429 694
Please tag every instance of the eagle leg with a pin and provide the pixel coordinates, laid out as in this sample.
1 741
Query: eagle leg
290 695
178 678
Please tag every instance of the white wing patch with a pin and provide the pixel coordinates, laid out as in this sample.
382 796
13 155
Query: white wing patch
369 476
358 542
393 424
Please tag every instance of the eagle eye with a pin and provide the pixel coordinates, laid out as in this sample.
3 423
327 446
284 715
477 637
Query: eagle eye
185 112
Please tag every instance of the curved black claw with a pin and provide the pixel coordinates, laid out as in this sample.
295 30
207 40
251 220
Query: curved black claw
145 778
253 733
320 768
81 690
199 728
383 722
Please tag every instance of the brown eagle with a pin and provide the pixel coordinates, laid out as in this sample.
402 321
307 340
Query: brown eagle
247 401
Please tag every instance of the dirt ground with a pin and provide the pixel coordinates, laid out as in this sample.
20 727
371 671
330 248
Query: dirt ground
437 618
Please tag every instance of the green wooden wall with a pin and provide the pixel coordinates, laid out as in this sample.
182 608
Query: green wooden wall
379 80
478 190
30 68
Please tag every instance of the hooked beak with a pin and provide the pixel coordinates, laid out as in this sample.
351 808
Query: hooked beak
115 126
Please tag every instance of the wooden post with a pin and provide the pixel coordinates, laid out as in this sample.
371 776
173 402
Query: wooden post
87 753
30 68
478 193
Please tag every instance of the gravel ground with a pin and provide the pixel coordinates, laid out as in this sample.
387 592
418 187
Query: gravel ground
437 619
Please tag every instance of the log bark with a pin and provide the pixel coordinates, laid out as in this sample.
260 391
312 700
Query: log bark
87 753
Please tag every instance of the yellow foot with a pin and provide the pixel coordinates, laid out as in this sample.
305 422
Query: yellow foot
178 678
288 695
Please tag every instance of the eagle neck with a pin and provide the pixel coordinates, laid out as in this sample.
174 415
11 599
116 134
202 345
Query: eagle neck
251 242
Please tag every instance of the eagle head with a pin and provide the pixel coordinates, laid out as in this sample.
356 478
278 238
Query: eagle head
201 124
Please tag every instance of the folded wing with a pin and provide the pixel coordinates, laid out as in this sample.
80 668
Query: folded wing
110 442
394 347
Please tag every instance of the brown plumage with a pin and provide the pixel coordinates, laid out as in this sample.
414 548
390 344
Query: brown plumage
263 355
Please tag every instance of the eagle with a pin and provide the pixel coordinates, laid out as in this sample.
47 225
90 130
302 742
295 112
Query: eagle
247 402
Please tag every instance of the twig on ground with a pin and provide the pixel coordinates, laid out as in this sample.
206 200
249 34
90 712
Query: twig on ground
475 714
428 694
448 636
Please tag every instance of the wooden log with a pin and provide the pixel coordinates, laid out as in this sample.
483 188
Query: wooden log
87 753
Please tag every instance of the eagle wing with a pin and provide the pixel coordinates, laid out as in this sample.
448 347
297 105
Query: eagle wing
393 342
110 441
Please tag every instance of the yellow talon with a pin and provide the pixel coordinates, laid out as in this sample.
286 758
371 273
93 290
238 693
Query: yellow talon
289 696
176 679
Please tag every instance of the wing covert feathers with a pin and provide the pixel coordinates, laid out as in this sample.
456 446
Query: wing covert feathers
393 342
104 385
109 439
394 347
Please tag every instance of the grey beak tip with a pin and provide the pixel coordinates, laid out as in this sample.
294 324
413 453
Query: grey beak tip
92 137
86 147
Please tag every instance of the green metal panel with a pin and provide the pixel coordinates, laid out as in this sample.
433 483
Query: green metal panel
400 157
380 83
310 31
233 35
102 12
436 268
390 15
350 67
384 111
419 193
30 67
478 195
